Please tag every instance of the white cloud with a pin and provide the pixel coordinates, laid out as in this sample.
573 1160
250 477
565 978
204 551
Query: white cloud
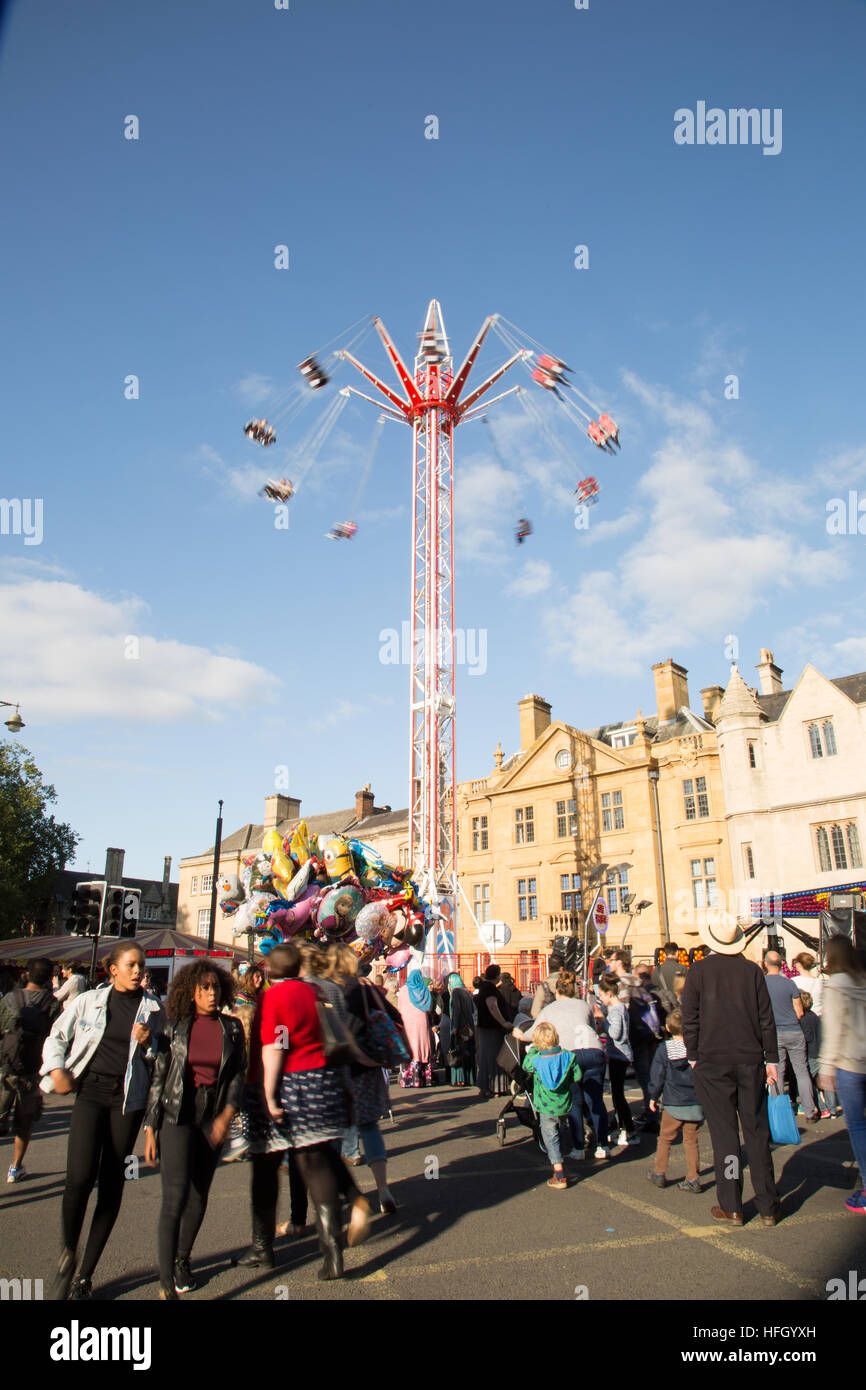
534 578
253 388
712 550
339 713
66 659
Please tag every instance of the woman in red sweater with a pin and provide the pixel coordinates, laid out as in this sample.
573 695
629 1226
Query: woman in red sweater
308 1100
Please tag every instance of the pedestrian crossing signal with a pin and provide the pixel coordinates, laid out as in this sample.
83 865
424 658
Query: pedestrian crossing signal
88 900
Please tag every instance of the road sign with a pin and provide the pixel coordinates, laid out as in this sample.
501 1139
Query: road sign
600 916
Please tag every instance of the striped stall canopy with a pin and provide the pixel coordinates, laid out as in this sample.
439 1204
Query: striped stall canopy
67 950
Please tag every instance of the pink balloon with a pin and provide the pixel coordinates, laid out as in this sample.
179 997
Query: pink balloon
398 959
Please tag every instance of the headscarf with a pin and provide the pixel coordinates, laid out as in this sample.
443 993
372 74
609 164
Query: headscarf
419 994
455 981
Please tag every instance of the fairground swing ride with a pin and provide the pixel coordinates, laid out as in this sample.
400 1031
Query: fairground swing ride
432 401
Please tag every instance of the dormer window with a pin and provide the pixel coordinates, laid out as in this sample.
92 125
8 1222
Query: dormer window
623 738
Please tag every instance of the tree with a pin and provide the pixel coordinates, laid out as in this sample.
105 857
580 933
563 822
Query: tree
33 845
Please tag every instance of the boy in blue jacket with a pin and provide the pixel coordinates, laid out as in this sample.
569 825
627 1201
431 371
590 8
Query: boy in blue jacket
671 1078
552 1072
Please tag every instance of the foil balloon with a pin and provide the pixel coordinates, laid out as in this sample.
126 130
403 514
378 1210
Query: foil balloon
338 909
337 858
375 920
397 959
294 917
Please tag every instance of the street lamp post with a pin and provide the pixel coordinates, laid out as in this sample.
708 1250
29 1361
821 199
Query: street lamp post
14 723
216 870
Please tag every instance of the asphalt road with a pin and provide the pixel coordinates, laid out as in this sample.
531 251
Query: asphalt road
476 1221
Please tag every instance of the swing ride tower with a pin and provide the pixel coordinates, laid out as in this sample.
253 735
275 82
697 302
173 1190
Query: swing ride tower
433 405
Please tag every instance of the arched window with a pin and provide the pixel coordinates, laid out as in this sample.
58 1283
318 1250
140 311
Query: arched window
829 738
824 850
838 847
854 847
815 741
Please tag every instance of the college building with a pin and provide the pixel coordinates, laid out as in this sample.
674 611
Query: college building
750 804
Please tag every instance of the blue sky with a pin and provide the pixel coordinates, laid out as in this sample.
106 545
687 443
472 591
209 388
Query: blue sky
261 648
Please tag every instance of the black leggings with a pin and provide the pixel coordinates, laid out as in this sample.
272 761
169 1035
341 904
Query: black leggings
266 1191
101 1138
617 1071
325 1175
188 1163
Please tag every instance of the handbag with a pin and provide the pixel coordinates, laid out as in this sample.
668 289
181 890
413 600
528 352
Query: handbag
337 1042
783 1124
382 1040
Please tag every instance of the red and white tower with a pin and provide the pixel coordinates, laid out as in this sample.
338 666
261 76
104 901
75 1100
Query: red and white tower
433 407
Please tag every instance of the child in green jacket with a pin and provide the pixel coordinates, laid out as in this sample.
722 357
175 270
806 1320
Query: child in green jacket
553 1072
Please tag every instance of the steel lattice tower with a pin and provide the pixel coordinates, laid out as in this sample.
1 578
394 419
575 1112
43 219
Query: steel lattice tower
433 408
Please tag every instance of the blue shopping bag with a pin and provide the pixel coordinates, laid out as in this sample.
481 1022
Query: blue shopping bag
783 1123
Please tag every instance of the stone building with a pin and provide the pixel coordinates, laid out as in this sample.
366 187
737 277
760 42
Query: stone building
794 780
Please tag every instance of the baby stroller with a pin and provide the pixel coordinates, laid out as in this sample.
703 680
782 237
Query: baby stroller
509 1059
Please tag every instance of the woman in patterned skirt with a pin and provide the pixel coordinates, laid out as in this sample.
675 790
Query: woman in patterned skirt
308 1101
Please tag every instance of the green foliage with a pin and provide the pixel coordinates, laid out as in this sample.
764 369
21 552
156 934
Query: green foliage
33 845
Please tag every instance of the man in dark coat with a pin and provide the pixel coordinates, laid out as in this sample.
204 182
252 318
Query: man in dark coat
730 1036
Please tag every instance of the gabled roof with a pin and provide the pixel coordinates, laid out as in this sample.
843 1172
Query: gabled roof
854 687
249 837
382 820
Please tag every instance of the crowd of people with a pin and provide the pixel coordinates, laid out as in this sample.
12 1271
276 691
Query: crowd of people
287 1063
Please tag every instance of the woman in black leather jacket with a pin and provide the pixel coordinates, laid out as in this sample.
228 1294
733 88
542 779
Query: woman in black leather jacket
197 1087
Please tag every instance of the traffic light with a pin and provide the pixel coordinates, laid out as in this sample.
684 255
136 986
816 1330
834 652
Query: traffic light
87 904
112 917
121 911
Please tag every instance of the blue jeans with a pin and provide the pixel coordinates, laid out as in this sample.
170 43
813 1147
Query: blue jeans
851 1088
374 1144
591 1086
350 1147
831 1100
549 1125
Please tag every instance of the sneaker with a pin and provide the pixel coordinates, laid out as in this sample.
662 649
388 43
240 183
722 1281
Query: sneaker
81 1289
657 1179
825 1115
16 1174
857 1203
626 1138
602 1152
689 1185
184 1281
236 1149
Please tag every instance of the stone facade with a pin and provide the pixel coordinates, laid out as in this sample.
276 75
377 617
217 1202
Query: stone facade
794 779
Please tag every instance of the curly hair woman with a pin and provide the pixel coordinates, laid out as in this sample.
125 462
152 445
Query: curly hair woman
197 1087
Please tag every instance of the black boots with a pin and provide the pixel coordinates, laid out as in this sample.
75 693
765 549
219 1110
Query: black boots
62 1281
328 1227
260 1254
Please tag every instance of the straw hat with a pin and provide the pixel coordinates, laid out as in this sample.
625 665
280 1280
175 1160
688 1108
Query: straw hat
723 934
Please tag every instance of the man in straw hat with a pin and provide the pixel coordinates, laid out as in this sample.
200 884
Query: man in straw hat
730 1037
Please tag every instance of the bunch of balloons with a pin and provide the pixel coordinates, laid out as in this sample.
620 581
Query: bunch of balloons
326 888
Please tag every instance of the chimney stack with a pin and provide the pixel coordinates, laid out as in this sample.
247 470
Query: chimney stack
364 801
534 719
114 865
769 674
711 697
166 884
279 808
672 689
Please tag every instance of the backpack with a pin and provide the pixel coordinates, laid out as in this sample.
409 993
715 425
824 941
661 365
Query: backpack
25 1027
644 1015
547 994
